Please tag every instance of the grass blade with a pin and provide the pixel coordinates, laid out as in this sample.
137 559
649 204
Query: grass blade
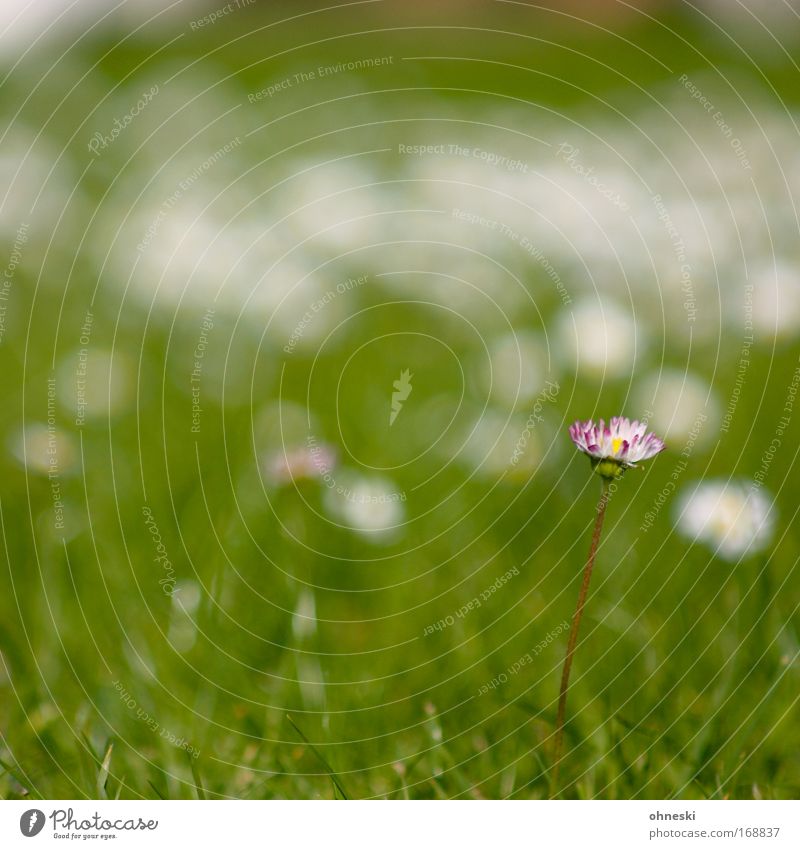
198 782
328 768
102 776
155 789
13 773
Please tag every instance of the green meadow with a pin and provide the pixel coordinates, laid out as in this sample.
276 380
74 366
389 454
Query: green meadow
228 574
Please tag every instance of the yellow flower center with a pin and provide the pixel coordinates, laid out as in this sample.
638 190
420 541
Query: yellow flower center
615 444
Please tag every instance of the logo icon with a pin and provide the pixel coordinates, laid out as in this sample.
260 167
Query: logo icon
403 389
31 822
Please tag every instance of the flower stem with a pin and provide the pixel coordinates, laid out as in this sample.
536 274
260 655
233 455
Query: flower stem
573 636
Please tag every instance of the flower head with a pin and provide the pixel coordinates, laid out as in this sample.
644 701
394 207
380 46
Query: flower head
732 517
616 446
371 506
305 462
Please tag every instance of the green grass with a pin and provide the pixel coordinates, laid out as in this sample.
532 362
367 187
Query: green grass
685 683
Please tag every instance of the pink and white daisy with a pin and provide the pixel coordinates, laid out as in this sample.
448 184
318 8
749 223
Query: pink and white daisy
612 448
616 446
305 462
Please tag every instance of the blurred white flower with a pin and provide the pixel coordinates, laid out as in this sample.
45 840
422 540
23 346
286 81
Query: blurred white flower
753 18
776 301
300 309
600 339
34 184
310 681
44 449
683 407
304 618
733 518
24 21
371 506
187 595
336 204
199 252
182 633
464 282
180 108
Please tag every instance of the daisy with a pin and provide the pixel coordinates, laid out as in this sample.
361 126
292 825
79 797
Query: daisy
612 448
369 505
615 447
734 518
45 449
304 462
600 339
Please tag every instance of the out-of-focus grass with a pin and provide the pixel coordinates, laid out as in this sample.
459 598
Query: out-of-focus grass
686 683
